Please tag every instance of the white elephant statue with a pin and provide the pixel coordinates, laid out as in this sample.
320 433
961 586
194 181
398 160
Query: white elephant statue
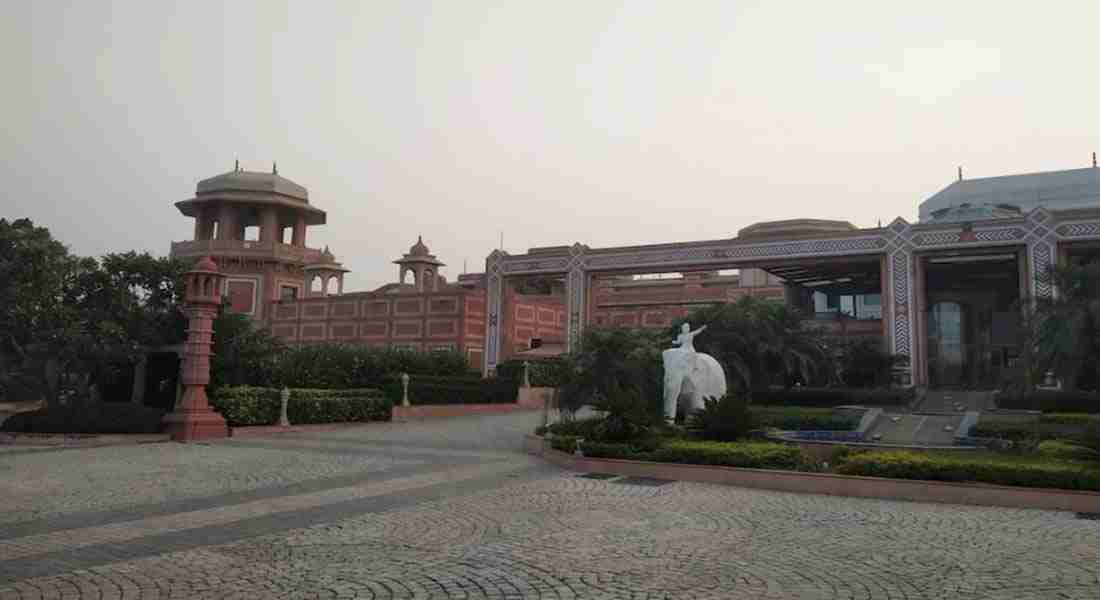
689 373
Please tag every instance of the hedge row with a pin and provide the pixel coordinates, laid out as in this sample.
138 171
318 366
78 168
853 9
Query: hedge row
245 405
1001 470
542 373
454 390
752 455
1053 401
827 397
1025 431
354 366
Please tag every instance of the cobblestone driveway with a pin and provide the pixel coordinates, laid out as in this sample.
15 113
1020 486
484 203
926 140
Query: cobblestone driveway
452 509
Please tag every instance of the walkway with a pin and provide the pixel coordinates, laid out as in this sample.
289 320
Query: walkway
453 509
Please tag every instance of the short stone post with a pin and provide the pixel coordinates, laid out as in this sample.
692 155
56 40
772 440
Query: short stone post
405 389
192 418
526 374
284 399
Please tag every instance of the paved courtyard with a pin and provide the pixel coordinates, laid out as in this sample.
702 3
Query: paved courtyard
453 509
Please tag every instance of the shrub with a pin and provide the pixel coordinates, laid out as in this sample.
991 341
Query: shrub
1062 449
353 366
828 397
584 428
244 405
542 373
725 419
434 390
627 418
798 418
1091 437
1018 432
104 418
564 443
756 455
1066 419
1052 401
986 468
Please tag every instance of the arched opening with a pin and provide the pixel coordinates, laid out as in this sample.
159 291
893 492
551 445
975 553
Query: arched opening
333 286
251 233
315 284
215 230
208 286
286 234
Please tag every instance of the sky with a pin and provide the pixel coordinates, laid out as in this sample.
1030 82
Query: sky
592 121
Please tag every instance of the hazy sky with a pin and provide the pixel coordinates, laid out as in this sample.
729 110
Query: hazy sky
607 123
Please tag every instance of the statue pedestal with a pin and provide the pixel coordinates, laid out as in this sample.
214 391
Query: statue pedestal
194 420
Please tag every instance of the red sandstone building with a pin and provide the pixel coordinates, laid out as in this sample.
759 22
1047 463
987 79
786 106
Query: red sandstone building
254 226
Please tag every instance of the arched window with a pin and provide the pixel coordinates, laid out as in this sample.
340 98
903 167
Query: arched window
315 284
251 233
286 234
333 286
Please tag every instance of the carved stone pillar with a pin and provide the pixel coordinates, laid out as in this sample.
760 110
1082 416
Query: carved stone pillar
269 225
494 319
576 292
898 316
193 419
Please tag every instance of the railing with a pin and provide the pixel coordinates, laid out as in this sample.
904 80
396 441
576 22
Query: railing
251 248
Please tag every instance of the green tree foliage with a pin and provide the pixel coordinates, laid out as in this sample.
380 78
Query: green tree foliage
613 364
864 362
1069 324
723 419
68 322
243 353
760 343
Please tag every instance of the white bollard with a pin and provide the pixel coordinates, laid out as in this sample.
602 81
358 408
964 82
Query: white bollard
284 398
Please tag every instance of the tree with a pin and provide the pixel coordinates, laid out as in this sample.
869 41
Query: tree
1068 338
69 322
243 354
613 366
761 342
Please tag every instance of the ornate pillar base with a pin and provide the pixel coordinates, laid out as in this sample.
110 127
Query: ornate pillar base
194 420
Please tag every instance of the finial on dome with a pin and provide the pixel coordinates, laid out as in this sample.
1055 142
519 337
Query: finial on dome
236 165
274 168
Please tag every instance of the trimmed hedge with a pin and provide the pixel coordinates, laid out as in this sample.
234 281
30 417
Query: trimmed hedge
429 390
800 418
244 405
542 373
828 397
986 468
1064 450
1053 401
1018 432
752 455
108 417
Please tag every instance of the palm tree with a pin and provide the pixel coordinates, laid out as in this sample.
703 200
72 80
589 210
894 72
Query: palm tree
761 342
1069 323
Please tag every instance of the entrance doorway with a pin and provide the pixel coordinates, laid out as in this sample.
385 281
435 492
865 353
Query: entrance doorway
971 319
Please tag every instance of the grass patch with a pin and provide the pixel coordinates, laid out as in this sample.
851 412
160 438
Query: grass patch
986 467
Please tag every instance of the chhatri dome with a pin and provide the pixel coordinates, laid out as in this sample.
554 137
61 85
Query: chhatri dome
423 265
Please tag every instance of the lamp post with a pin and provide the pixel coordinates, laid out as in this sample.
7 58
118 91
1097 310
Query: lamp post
405 389
284 399
192 418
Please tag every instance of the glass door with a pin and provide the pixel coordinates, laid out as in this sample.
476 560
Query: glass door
946 344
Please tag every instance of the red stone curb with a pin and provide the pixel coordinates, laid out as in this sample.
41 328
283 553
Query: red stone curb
834 485
265 430
456 410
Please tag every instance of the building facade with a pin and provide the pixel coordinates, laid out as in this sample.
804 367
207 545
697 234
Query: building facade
943 293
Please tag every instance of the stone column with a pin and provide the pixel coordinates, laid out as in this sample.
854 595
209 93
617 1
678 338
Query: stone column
269 225
576 291
227 223
493 306
298 238
193 419
900 319
340 284
137 394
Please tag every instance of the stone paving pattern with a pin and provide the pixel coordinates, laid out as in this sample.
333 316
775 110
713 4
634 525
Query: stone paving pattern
453 509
